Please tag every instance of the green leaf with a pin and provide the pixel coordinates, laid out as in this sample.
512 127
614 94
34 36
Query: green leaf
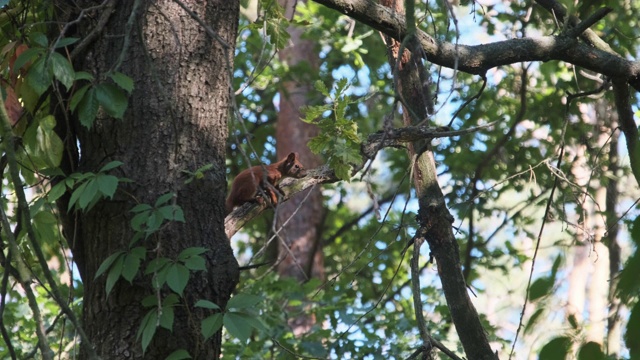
150 301
107 184
195 263
148 328
156 264
188 252
39 39
533 320
163 199
77 96
632 335
540 288
207 305
56 191
75 195
166 319
177 278
556 349
66 42
88 108
321 87
179 354
242 301
106 264
123 81
178 214
111 165
591 351
170 300
140 208
132 262
211 325
112 100
139 220
237 326
83 75
89 193
62 69
25 57
114 273
38 77
167 212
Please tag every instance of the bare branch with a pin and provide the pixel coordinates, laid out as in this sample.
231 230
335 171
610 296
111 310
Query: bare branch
398 136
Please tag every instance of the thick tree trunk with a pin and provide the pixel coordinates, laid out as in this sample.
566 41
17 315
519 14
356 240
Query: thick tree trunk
176 120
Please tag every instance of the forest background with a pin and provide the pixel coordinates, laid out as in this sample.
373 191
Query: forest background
500 133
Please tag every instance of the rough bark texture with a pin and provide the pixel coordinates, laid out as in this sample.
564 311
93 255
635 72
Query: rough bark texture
300 251
176 120
412 83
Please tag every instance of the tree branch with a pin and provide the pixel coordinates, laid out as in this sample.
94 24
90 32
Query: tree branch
478 59
323 175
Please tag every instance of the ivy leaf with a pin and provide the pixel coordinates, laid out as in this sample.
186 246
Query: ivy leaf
111 165
38 77
57 191
75 195
77 96
147 328
179 354
211 325
88 108
207 305
114 273
163 199
123 81
62 69
66 42
132 261
107 184
242 301
112 100
88 195
177 278
195 263
237 326
39 39
83 75
25 57
166 319
106 264
189 252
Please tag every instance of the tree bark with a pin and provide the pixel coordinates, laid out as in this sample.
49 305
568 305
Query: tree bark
176 120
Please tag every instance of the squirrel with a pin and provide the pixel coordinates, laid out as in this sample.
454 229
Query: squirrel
246 185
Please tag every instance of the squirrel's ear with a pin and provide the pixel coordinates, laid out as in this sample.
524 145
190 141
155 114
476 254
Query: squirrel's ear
292 157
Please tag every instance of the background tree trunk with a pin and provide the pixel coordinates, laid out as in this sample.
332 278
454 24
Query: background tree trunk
300 250
176 120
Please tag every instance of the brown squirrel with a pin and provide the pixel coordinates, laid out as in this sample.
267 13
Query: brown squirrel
246 185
